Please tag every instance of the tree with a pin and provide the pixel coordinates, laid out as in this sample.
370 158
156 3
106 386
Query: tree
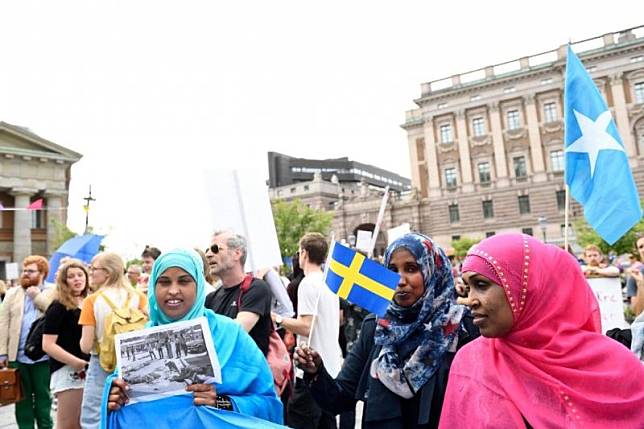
587 235
62 233
293 219
462 245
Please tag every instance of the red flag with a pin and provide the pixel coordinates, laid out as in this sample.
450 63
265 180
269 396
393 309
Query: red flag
36 205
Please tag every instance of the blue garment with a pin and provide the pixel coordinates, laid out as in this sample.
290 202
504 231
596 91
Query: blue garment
246 378
29 316
359 280
414 339
597 169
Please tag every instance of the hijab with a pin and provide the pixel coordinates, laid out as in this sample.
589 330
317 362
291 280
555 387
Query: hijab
554 368
189 261
414 339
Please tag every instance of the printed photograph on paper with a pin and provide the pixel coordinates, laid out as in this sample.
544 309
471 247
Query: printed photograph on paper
163 360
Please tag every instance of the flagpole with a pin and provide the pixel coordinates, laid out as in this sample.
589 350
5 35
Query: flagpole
376 230
566 214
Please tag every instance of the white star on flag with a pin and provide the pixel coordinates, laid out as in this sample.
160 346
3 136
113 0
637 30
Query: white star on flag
593 137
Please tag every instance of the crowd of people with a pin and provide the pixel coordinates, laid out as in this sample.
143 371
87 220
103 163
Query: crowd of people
510 338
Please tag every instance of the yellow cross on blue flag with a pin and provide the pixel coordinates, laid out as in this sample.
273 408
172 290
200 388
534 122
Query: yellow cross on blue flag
597 169
359 280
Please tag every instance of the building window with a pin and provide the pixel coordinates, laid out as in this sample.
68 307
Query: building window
454 217
550 113
524 204
526 231
456 237
37 219
489 234
478 127
484 172
446 133
488 209
306 187
561 201
520 169
557 160
293 190
639 92
450 177
513 119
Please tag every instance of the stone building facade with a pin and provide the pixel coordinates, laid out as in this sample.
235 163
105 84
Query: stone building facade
31 168
486 147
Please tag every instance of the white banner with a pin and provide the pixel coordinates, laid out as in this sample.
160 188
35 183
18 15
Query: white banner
609 296
239 202
11 270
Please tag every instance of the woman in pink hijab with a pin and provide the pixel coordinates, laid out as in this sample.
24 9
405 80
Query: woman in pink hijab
541 361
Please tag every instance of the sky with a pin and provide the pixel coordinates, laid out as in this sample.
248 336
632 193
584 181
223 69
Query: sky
159 96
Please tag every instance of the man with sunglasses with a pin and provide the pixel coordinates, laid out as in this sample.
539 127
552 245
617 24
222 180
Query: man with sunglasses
226 258
21 307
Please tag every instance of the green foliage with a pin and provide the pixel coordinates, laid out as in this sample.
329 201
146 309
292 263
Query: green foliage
587 235
135 261
462 245
294 219
62 233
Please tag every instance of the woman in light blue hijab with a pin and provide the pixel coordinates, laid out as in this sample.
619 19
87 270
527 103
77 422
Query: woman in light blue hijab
176 293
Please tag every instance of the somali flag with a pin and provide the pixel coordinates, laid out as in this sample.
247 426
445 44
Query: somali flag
359 280
597 169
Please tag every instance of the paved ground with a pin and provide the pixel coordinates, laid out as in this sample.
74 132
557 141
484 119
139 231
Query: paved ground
7 419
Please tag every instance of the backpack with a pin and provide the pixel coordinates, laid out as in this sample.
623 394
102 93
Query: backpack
277 356
33 345
119 321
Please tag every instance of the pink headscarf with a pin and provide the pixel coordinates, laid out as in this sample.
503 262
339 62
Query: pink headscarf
554 367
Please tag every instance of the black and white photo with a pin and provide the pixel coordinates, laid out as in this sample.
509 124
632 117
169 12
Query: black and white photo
163 360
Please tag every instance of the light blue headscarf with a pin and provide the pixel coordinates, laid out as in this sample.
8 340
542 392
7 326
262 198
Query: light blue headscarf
189 261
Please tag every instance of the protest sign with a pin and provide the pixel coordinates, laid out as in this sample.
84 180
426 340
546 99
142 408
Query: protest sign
608 292
363 241
396 232
240 203
11 269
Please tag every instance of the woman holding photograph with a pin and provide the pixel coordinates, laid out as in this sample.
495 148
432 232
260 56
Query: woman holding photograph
107 278
177 292
61 341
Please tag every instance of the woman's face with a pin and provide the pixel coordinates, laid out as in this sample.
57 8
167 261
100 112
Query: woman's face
98 274
76 280
411 285
490 308
175 292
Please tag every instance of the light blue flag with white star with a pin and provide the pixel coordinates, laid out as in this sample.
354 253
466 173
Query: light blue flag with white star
597 169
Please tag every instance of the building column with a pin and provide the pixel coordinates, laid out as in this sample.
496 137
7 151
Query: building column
431 160
413 159
54 217
464 153
21 225
621 113
500 161
532 119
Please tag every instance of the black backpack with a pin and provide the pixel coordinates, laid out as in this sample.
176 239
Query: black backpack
33 345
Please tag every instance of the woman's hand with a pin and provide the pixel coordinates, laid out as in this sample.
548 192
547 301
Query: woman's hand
118 395
307 359
79 364
204 394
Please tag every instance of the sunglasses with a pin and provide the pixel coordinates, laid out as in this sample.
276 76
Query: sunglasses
215 249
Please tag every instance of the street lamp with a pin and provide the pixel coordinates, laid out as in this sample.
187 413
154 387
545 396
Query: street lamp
543 223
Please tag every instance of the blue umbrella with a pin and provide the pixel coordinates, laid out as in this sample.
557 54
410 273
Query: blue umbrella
83 247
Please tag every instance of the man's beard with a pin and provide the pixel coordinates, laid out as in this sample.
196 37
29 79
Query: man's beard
26 282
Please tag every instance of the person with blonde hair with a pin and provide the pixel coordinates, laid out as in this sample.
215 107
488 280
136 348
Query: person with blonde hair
61 341
111 286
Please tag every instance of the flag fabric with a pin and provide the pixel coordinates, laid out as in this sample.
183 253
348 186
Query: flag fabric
359 280
597 169
36 205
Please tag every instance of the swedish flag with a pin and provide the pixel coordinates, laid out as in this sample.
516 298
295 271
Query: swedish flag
359 280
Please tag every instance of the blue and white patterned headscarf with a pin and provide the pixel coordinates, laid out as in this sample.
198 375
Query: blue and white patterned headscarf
414 339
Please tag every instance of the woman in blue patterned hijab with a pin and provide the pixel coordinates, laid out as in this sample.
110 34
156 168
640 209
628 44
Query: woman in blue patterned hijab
418 329
399 365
